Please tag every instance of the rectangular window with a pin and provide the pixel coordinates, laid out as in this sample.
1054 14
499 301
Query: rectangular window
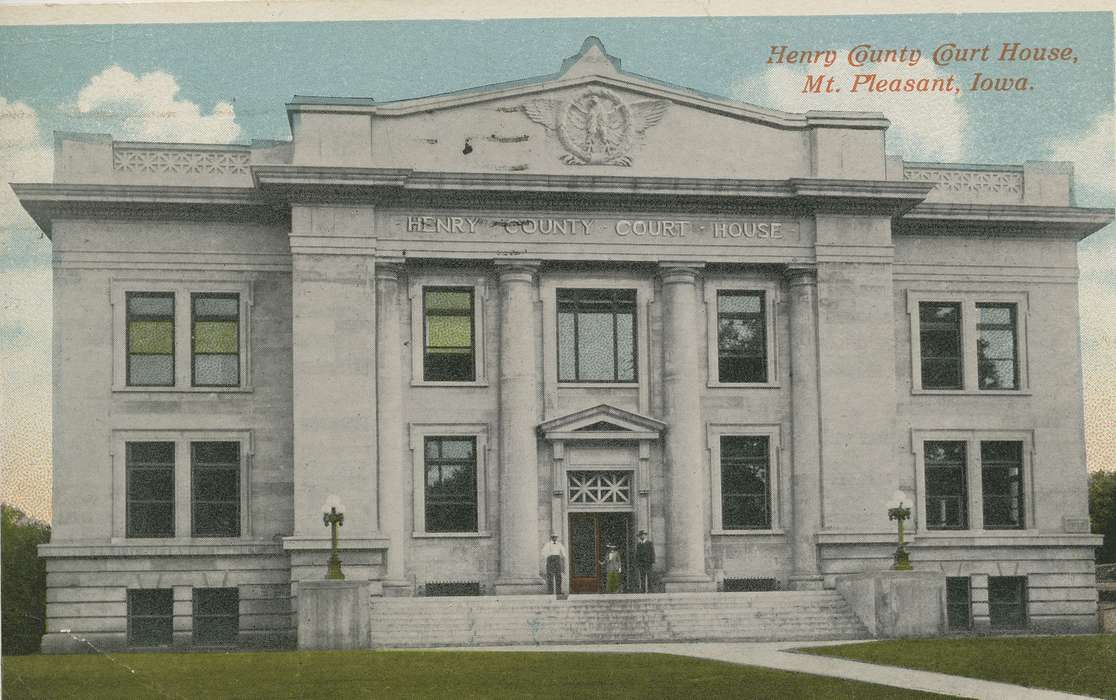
150 338
149 477
150 617
216 615
940 342
215 482
946 491
997 367
216 339
448 334
451 484
596 335
745 483
741 337
1007 601
1001 467
958 602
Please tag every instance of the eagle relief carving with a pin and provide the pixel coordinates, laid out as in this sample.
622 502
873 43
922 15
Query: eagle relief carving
596 127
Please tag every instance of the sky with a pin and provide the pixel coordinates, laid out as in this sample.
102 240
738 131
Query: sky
227 83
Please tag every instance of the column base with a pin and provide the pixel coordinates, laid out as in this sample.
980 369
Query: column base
398 588
688 583
528 585
806 582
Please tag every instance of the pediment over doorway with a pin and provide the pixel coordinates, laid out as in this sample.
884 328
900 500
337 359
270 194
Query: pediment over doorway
603 422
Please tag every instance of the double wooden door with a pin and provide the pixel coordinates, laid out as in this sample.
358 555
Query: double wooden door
590 534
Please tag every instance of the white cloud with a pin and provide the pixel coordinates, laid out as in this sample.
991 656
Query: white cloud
1090 151
912 134
23 158
147 108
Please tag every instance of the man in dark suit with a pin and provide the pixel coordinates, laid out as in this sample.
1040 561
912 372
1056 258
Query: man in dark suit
645 560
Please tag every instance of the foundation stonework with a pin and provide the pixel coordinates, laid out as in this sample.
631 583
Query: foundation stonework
739 329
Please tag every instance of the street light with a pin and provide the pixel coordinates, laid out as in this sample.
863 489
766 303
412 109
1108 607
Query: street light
333 517
900 513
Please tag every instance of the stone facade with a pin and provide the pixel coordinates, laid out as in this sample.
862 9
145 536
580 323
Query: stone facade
659 201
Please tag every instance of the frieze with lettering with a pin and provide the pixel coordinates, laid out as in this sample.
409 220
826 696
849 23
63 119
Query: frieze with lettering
637 230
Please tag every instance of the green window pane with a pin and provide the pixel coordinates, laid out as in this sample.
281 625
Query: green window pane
215 336
449 332
439 300
151 337
227 307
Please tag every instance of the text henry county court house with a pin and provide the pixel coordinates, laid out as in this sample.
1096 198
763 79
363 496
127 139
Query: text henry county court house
588 303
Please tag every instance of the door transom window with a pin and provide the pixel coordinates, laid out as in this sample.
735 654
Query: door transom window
600 488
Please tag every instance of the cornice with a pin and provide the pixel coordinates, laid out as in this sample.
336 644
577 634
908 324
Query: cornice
46 202
1002 219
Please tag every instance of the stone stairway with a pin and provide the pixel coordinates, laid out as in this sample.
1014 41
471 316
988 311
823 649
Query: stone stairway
487 620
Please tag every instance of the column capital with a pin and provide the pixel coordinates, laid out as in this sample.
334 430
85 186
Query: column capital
680 272
801 274
517 270
389 267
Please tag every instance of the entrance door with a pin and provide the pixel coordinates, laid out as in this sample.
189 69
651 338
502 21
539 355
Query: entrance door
590 533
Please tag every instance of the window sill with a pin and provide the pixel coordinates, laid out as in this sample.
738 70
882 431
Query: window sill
452 535
970 392
743 385
182 389
478 384
598 385
775 532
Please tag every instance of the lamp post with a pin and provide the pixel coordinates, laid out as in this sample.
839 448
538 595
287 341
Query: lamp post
333 517
900 513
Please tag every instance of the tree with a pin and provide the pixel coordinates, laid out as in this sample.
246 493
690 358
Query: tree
23 584
1102 513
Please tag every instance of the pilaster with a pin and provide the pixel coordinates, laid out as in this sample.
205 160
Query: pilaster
389 411
802 293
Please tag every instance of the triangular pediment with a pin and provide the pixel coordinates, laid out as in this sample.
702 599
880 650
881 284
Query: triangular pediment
603 422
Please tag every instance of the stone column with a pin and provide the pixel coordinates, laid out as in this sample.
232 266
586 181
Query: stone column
389 411
683 343
519 416
802 288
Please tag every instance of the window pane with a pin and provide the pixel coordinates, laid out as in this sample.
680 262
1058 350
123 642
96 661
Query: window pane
566 355
958 604
215 489
946 485
625 348
150 453
150 617
1002 483
150 370
451 487
940 345
741 337
216 519
449 352
149 489
150 519
745 483
160 304
747 302
151 337
596 335
454 332
595 347
216 484
996 351
217 306
215 336
216 370
1007 601
151 485
449 300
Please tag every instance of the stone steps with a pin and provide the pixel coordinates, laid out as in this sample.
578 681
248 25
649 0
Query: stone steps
465 621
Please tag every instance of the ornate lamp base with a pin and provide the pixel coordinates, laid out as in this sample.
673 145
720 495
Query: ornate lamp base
902 560
334 572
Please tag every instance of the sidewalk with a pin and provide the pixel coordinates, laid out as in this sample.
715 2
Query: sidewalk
779 655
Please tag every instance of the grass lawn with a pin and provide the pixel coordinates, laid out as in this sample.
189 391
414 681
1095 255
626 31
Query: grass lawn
391 674
1085 664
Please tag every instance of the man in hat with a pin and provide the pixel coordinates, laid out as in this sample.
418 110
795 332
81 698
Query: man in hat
613 568
645 560
554 555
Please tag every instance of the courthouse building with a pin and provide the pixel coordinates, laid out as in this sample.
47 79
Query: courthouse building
588 303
